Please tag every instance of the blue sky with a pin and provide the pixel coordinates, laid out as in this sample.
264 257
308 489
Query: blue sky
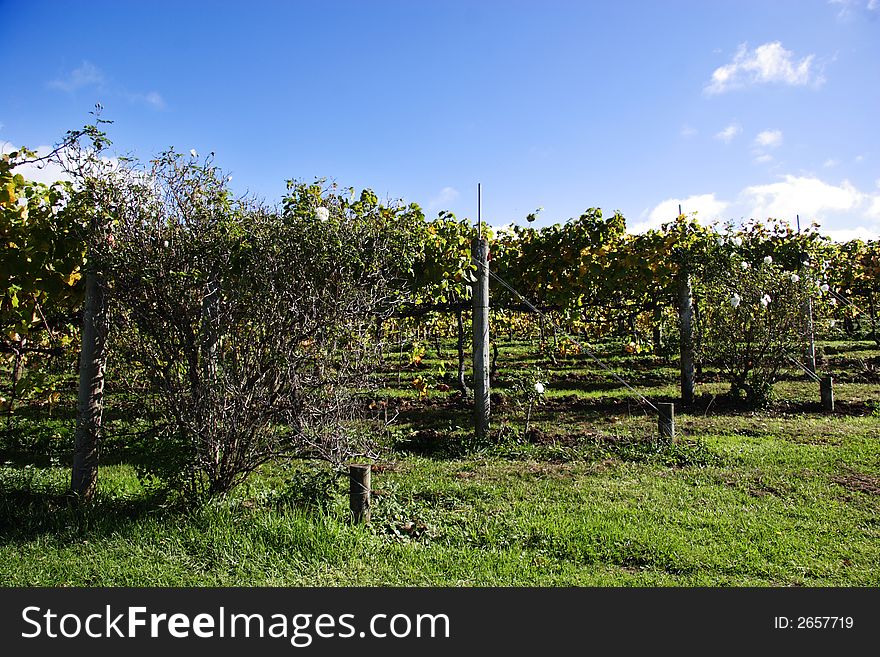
733 108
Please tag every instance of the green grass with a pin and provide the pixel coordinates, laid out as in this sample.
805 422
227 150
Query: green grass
789 496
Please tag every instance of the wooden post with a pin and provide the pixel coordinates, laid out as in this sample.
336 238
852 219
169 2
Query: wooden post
90 401
826 392
481 338
666 420
359 493
808 311
686 322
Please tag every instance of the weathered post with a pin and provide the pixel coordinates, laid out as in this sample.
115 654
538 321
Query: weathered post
826 392
686 321
90 401
666 420
808 311
481 338
359 493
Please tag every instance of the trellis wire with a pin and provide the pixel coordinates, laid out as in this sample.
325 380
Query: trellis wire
558 330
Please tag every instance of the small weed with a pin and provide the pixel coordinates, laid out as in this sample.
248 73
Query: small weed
313 487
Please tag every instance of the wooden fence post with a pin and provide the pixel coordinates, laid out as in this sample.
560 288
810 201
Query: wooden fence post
686 322
826 392
481 338
666 420
359 493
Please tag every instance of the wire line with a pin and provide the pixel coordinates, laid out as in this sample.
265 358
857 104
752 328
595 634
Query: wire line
557 329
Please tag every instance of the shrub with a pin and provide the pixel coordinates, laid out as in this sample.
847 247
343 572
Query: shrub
250 322
754 323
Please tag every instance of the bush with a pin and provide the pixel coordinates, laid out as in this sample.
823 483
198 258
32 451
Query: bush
754 323
250 322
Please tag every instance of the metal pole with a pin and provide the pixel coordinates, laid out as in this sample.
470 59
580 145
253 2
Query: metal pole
480 210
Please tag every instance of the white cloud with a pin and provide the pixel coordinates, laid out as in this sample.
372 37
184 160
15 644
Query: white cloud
507 228
874 209
688 131
86 75
446 196
768 63
848 7
845 7
52 171
728 133
46 173
806 196
769 138
153 99
847 234
763 158
830 163
706 206
89 75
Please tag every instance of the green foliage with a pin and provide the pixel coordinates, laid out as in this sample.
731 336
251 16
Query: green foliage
40 269
247 321
43 235
564 265
754 320
310 487
444 270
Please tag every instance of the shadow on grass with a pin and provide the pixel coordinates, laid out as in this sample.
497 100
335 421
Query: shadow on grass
444 414
435 444
27 513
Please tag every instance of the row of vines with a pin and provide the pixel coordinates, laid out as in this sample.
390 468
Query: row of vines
248 329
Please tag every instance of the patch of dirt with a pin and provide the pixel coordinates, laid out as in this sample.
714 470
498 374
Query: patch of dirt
385 467
754 484
537 436
841 407
430 442
498 399
600 405
858 482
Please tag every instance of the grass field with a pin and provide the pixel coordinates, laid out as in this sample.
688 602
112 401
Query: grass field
789 496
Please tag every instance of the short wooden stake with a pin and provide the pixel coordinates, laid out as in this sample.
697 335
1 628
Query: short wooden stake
666 420
826 392
359 493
